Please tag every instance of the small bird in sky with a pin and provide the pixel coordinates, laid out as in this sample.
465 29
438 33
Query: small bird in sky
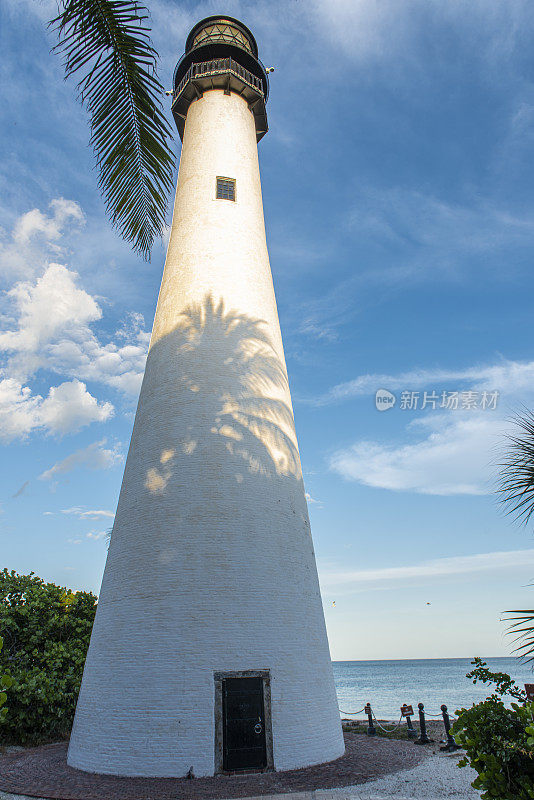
334 603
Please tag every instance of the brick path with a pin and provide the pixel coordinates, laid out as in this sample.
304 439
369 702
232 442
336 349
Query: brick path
43 772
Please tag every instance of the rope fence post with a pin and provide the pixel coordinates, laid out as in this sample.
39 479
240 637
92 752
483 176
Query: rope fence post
407 712
423 738
451 745
371 730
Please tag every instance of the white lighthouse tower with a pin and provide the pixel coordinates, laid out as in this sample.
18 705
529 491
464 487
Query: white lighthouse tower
209 647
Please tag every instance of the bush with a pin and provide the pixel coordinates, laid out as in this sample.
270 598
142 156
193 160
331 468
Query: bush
5 682
46 631
499 741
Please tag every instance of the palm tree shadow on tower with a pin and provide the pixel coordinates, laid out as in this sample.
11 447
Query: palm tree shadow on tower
214 422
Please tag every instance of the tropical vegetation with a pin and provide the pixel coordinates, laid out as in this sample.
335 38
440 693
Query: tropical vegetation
498 739
45 630
5 683
516 491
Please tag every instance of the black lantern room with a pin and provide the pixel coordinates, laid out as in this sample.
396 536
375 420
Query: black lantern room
221 53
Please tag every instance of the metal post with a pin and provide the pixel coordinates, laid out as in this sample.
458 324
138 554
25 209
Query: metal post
406 712
371 730
451 745
423 738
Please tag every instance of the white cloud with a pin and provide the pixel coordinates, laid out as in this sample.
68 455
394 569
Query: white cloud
318 331
311 499
439 567
95 456
67 408
36 236
454 452
51 227
46 325
51 307
50 328
507 377
70 407
97 535
454 458
19 409
82 514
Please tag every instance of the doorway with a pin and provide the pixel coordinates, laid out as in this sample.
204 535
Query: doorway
243 738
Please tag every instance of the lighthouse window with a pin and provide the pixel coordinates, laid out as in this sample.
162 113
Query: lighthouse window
225 189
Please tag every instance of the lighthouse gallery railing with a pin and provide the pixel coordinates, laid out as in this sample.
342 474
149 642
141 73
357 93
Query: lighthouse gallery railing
218 66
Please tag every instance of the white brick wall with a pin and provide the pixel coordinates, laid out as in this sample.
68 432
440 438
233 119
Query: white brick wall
211 564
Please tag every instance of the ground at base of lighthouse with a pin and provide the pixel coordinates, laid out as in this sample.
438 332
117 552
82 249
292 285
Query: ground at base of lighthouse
372 769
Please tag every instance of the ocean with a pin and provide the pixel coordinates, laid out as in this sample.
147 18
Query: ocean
432 681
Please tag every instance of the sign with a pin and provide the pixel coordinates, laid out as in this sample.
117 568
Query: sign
407 711
529 689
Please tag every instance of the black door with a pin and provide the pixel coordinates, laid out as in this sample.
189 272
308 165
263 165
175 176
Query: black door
243 724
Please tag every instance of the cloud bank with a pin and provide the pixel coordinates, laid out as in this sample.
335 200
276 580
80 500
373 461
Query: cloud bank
94 456
444 452
47 326
436 568
67 408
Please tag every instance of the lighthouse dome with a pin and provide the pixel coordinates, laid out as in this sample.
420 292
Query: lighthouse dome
220 53
218 29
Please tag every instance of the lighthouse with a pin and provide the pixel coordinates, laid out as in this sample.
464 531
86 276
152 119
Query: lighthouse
209 649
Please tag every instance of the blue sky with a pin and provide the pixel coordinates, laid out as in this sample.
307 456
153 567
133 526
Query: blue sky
397 179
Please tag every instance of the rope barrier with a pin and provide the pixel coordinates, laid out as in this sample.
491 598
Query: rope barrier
436 715
387 730
362 710
407 713
352 713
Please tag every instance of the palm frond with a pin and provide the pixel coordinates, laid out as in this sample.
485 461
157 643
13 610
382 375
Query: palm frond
522 628
516 474
106 44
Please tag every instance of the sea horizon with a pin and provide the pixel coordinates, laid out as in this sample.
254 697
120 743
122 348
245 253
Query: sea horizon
389 683
428 658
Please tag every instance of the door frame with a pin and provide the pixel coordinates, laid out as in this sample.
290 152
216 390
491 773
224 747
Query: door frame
219 677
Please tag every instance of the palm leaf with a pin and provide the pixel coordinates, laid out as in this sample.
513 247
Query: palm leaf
516 475
106 44
523 628
516 492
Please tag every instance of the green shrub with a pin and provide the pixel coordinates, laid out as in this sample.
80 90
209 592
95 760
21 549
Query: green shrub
5 682
499 741
46 631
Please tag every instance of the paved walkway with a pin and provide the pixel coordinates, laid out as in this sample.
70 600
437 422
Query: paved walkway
43 772
435 778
